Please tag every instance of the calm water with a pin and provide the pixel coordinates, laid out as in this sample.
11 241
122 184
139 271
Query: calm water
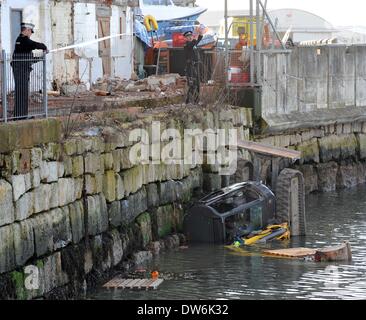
213 272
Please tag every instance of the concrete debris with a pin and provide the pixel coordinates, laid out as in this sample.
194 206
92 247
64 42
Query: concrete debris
54 93
72 89
157 84
92 132
102 93
134 76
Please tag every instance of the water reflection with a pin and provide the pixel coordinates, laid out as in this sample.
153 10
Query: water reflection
220 274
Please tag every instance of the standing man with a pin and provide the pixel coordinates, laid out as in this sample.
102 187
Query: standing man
192 66
22 67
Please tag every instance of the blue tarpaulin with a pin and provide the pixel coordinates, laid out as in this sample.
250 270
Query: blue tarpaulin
142 34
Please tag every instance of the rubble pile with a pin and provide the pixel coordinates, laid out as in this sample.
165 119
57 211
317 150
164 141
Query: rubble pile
155 84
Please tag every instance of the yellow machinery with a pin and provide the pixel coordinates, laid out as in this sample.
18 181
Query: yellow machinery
278 232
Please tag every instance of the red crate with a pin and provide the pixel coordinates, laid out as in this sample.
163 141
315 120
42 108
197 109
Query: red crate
179 40
242 77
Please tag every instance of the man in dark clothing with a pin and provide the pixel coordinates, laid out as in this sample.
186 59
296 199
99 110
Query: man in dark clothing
22 67
192 67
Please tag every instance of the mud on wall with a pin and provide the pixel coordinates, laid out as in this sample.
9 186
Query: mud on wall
76 208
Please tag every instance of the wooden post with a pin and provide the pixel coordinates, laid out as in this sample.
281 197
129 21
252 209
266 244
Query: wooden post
257 166
275 169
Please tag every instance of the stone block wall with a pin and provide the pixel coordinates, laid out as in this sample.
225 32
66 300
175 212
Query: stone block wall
333 156
72 209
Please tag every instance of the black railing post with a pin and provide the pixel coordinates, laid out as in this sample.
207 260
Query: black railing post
4 86
45 96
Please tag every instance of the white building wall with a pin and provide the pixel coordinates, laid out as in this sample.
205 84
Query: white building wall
86 29
64 62
44 24
31 13
122 47
57 28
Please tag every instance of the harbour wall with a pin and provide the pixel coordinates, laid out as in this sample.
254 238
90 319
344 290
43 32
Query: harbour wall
308 79
74 208
333 156
313 100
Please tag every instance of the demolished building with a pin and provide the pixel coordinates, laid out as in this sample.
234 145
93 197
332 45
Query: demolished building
69 22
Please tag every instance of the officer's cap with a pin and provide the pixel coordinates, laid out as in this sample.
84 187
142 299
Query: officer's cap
188 33
28 26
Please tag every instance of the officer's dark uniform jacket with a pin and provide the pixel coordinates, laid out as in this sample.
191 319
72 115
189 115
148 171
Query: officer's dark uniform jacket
192 70
190 52
23 60
23 49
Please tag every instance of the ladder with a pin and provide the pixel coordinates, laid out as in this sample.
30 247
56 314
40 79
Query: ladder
162 60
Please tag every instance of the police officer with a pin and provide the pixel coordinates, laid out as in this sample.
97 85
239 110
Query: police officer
192 66
22 67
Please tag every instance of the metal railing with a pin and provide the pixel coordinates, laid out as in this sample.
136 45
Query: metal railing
238 71
23 86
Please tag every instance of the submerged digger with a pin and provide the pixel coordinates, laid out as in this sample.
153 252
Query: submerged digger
243 214
248 214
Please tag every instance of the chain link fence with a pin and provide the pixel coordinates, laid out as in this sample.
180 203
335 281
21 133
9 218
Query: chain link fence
23 86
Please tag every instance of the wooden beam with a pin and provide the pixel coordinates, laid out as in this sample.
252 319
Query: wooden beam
269 150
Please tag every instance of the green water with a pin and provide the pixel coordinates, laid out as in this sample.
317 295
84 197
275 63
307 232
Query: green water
214 272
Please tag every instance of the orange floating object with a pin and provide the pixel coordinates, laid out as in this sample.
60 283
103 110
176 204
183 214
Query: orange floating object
155 275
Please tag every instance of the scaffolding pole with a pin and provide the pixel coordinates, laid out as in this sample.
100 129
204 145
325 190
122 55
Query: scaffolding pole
271 23
251 41
258 44
226 41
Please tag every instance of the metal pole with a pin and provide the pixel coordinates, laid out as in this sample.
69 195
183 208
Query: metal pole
271 23
226 41
258 43
4 87
45 96
263 16
274 35
251 42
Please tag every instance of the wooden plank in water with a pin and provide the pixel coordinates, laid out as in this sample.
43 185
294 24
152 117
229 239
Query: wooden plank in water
147 284
291 253
132 284
140 283
119 283
116 282
112 283
125 283
270 150
156 284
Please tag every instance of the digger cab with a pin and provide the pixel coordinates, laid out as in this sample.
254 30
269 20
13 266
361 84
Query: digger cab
218 217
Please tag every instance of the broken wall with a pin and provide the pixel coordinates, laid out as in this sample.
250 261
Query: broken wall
64 62
81 25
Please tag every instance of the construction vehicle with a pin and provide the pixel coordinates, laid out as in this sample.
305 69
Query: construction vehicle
249 212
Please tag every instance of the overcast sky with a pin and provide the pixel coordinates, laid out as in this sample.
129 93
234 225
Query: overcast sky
338 12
